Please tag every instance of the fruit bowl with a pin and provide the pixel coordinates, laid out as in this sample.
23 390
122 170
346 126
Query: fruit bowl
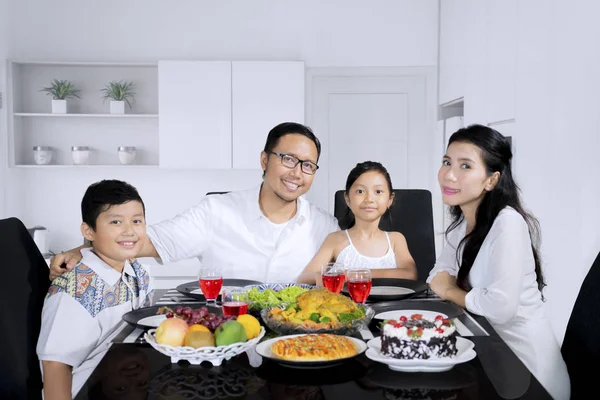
336 328
214 355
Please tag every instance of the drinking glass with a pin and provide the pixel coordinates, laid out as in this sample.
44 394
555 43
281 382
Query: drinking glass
234 301
211 281
359 284
333 275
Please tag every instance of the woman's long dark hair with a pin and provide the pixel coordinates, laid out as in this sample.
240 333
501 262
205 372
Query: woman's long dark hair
497 156
348 221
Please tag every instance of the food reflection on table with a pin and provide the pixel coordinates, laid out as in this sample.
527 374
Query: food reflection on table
198 382
121 374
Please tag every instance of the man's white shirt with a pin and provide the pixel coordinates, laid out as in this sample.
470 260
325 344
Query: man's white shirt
84 308
230 231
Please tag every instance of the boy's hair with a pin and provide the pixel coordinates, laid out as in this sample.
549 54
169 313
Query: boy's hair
100 196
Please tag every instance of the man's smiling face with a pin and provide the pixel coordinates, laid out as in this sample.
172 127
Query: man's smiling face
289 183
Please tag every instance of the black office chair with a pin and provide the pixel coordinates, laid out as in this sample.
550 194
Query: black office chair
412 215
582 337
25 284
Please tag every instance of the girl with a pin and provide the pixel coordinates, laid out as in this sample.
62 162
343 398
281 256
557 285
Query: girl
490 264
368 195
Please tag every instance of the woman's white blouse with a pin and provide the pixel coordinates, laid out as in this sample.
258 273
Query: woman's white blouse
504 290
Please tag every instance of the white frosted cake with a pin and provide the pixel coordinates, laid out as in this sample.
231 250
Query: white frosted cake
417 338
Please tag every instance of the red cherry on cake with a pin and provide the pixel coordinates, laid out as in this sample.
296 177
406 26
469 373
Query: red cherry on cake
438 317
403 318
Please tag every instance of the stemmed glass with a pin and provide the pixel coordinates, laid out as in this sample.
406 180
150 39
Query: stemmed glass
333 276
359 284
211 281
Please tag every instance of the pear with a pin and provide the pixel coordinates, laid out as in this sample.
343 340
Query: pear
229 333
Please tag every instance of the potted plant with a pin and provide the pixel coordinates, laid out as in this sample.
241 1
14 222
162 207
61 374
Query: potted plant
119 93
60 90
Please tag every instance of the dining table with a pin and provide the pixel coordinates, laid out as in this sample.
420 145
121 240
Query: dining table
132 369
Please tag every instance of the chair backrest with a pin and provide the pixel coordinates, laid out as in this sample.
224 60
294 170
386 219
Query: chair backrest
411 215
582 336
25 284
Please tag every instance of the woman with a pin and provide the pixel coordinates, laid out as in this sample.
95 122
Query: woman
490 264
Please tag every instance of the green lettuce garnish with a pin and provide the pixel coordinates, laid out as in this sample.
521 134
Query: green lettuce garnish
269 297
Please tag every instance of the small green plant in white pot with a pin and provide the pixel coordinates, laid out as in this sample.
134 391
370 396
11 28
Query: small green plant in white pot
60 90
118 93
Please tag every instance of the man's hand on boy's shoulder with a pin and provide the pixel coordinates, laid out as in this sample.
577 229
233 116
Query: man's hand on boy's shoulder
64 262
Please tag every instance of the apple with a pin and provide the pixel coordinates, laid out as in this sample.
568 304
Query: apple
172 331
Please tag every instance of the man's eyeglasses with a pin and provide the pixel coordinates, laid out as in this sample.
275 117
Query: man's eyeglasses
308 167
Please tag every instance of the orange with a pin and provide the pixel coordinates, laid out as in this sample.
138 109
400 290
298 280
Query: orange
198 328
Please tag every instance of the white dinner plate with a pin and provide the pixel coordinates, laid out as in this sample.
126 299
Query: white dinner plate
390 291
264 350
153 321
465 353
396 314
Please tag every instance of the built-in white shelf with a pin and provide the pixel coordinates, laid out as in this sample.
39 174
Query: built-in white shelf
86 115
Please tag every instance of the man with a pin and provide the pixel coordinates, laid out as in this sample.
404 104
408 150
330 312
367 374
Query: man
267 233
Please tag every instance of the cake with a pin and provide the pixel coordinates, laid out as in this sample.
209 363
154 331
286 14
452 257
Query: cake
415 337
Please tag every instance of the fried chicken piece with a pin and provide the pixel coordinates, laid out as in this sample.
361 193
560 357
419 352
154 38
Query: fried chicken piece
323 301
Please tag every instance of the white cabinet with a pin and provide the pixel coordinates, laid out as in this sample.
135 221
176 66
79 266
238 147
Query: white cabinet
218 114
264 95
478 43
195 114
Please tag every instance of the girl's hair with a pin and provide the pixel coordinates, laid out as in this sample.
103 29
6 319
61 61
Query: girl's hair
347 221
496 155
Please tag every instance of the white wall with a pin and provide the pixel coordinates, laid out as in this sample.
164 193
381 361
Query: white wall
534 63
4 43
333 33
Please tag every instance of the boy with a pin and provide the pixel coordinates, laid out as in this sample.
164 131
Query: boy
91 298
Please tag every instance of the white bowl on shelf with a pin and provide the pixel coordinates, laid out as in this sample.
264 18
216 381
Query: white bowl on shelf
80 154
214 355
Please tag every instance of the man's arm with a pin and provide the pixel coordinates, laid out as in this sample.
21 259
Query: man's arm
58 378
67 260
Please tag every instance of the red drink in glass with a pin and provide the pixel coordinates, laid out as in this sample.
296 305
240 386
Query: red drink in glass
211 287
359 290
334 283
235 308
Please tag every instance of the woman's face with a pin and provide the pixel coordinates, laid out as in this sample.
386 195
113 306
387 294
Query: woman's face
463 177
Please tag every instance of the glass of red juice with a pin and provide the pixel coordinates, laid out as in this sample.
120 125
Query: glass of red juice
234 301
333 276
211 281
359 284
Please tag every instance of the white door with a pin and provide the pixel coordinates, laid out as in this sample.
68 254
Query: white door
265 94
194 102
387 119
